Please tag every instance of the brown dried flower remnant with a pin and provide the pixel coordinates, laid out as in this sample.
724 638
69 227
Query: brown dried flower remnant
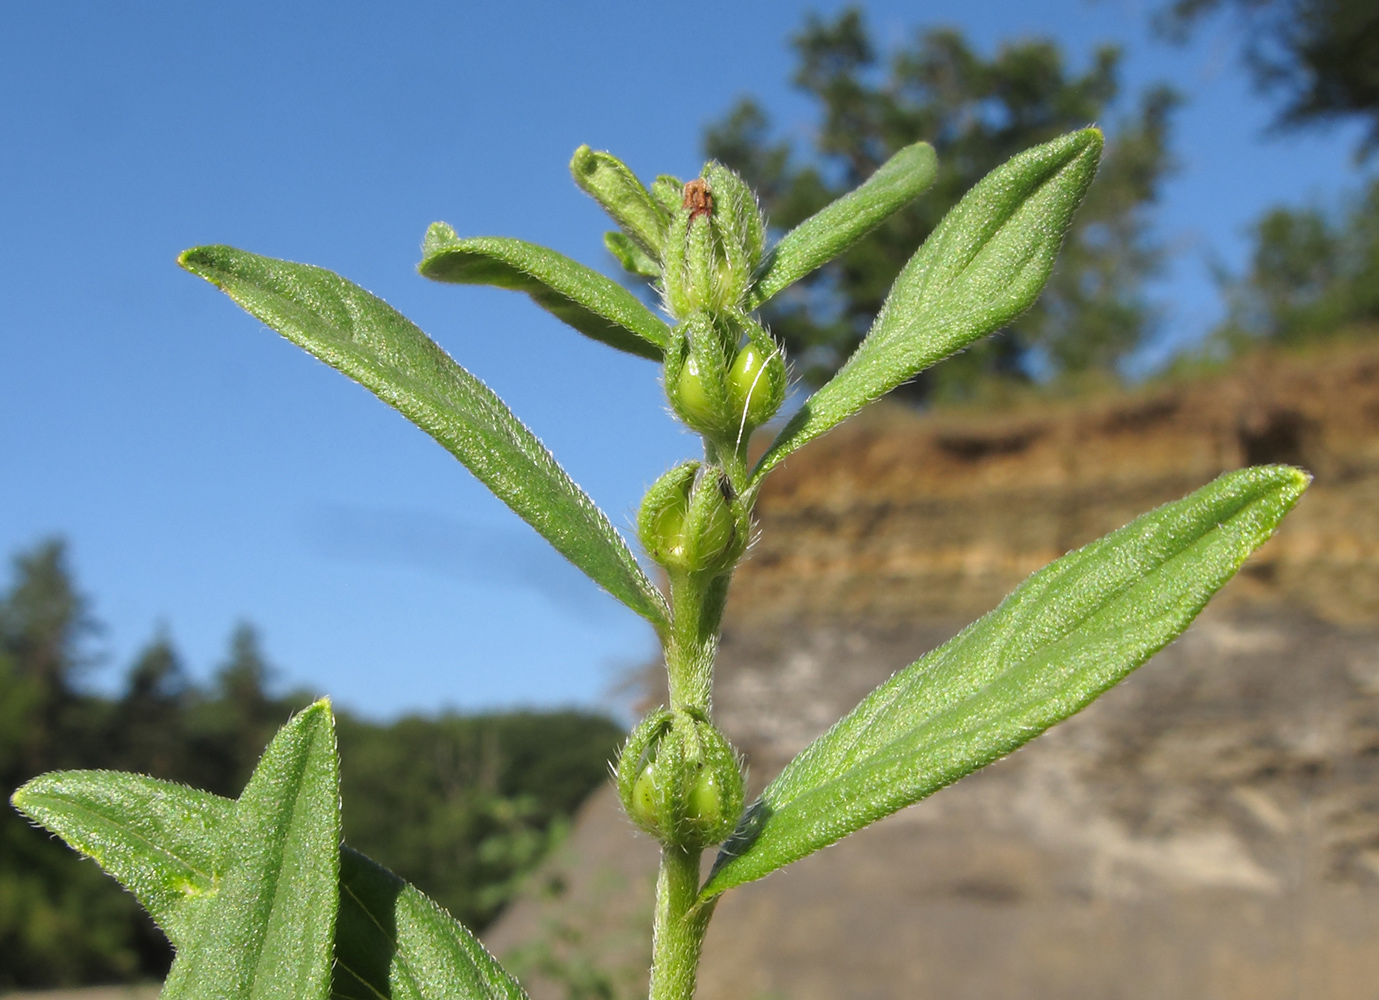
698 199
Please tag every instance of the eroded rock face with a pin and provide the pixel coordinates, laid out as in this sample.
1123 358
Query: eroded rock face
1208 829
898 517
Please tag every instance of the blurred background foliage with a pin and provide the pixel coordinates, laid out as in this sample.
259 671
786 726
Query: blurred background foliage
1313 276
1318 59
1313 273
462 805
977 112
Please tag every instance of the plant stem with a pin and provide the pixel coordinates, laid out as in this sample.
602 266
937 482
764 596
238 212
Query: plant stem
731 457
689 651
679 927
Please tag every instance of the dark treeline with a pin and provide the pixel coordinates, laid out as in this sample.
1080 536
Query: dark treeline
462 805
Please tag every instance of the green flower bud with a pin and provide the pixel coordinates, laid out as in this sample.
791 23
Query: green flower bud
661 518
713 244
642 796
740 229
756 380
679 779
692 401
704 806
696 376
700 260
643 806
690 520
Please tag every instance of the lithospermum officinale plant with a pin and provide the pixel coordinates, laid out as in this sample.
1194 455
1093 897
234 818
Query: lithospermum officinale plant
258 895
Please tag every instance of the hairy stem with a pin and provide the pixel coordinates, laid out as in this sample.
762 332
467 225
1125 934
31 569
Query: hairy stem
691 646
679 927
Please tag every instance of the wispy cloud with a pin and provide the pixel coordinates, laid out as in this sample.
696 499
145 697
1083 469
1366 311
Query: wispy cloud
477 554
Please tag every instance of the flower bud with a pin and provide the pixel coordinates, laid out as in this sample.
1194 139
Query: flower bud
679 779
690 520
756 380
696 376
740 229
713 244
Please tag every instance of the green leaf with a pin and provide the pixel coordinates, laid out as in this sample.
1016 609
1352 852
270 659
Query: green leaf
596 306
1068 633
268 930
393 941
630 256
160 840
609 182
837 227
366 339
983 265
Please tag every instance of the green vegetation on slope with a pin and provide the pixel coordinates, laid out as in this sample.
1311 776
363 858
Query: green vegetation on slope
1313 275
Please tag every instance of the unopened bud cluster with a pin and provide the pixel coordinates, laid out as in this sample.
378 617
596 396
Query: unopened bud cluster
724 374
680 781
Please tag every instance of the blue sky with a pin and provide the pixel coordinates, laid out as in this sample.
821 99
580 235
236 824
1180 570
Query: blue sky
206 472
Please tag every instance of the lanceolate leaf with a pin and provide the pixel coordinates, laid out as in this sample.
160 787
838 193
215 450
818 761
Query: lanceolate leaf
269 930
160 840
596 306
366 339
393 941
1069 632
983 265
837 227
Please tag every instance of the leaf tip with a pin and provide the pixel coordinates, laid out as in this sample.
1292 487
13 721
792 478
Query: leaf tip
201 261
22 799
1290 481
924 157
438 236
317 713
1086 146
584 162
18 797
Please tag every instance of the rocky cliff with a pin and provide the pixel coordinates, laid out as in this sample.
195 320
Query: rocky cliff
1209 829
